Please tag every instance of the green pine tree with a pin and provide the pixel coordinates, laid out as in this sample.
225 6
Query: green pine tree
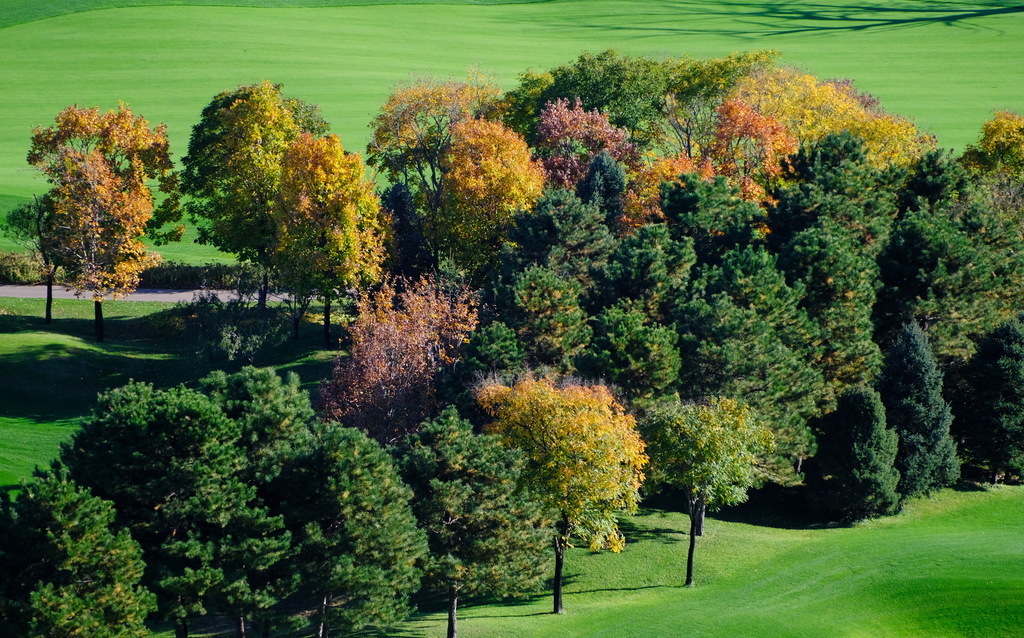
855 474
487 537
911 389
66 571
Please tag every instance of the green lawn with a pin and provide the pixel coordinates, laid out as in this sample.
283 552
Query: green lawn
949 65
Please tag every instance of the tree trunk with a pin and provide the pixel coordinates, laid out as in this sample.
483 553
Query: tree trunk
240 626
49 295
697 510
453 606
181 628
295 326
321 630
689 554
261 301
98 307
561 540
328 342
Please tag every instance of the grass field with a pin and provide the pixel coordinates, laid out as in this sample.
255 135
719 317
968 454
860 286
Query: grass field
948 65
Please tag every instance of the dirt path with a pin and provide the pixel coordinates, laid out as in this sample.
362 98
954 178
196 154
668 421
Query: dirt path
143 294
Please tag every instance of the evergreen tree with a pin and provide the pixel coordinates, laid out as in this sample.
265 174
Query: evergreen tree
66 571
911 389
990 415
357 537
411 253
486 535
855 474
548 318
743 335
604 186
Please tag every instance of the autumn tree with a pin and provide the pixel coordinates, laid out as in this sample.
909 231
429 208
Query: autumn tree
1001 146
414 131
232 171
629 90
569 137
407 333
67 570
709 451
748 148
486 533
584 456
490 177
696 89
810 109
329 226
100 166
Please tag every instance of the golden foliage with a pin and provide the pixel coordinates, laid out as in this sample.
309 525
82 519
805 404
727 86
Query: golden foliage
810 109
490 177
99 165
1001 146
585 457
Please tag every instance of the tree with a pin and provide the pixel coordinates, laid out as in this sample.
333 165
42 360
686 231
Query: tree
486 533
810 109
629 90
489 178
910 385
584 457
67 573
1001 146
405 335
990 415
547 316
414 130
696 89
570 137
709 451
232 171
749 148
358 544
183 470
604 186
329 225
99 166
856 455
28 224
743 335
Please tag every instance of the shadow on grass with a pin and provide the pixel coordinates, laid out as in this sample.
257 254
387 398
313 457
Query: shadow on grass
772 19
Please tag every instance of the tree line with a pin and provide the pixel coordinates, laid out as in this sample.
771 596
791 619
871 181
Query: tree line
707 273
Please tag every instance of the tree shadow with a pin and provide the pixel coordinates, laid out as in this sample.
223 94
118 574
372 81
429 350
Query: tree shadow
778 507
774 19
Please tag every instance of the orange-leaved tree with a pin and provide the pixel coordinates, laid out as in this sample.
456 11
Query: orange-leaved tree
748 148
584 456
407 333
100 166
490 177
330 228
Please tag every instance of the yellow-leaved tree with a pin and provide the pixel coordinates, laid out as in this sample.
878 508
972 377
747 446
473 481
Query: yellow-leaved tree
490 177
1001 147
810 108
584 456
100 166
330 228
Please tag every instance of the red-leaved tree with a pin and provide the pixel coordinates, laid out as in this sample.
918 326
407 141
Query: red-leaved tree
406 334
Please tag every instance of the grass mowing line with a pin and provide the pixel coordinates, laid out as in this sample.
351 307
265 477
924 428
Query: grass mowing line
947 65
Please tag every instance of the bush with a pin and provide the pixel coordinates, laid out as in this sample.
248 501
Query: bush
177 276
20 269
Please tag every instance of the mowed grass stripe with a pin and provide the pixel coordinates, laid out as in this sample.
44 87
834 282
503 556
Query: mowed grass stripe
947 65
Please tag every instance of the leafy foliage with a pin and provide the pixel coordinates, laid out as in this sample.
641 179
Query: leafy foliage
570 137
